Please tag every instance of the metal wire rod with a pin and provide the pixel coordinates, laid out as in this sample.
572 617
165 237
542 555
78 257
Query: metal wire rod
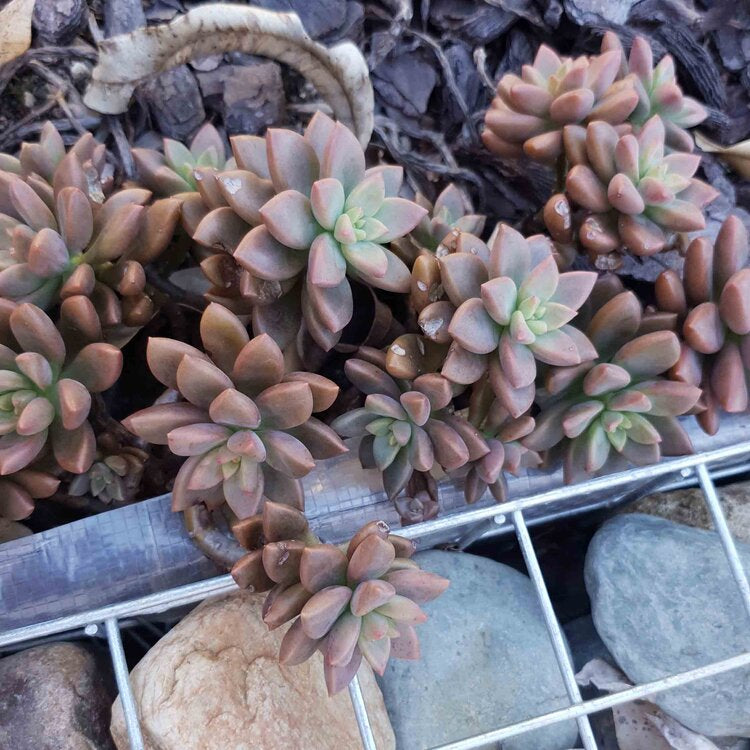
553 627
592 486
722 528
360 712
159 602
600 704
122 678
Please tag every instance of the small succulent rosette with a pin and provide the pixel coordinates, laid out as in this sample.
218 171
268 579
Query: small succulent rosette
712 305
658 92
504 435
355 601
245 424
451 212
406 426
619 409
529 112
510 313
174 171
638 197
46 394
115 476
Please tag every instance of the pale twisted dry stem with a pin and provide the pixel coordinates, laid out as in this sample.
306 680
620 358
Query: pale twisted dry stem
339 73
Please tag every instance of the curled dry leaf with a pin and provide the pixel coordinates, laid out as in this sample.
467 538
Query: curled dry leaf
736 155
640 725
339 73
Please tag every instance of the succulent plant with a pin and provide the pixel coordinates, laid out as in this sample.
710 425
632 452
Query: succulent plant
712 303
417 507
330 220
406 426
504 435
419 502
61 239
510 313
360 599
38 163
45 395
616 410
274 540
245 425
428 295
19 490
529 112
658 91
172 172
452 211
637 196
115 476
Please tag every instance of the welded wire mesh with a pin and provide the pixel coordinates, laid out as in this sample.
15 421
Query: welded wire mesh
462 528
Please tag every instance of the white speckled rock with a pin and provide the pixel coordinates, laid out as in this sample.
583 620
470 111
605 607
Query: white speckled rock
214 683
664 601
487 661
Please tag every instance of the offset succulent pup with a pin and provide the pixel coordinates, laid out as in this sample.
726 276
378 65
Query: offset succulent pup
246 424
351 601
618 409
173 172
115 475
406 426
504 435
452 211
712 303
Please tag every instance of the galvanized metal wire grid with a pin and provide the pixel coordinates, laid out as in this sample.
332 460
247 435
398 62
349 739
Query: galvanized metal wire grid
465 526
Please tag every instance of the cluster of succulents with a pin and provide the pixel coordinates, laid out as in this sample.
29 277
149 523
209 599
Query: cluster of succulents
337 304
616 126
350 602
70 241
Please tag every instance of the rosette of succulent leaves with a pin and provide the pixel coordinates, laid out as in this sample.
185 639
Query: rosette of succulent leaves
303 216
711 304
616 126
406 426
173 171
244 423
71 243
619 409
508 309
355 601
451 212
45 400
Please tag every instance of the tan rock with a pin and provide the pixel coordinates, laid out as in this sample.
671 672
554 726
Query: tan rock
214 683
688 507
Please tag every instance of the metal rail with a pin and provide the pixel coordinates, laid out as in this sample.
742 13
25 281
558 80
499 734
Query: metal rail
467 525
